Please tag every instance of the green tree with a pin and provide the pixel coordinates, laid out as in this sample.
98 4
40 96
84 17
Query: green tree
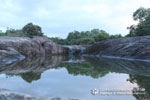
32 30
83 69
14 32
115 36
84 41
100 35
74 35
141 15
143 82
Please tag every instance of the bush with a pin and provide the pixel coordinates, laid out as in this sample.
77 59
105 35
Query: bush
32 30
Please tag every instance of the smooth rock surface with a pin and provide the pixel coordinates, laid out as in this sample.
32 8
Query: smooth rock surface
133 47
15 48
8 95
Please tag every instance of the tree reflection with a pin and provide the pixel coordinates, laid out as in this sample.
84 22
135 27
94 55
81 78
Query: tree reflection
31 69
143 82
83 69
28 77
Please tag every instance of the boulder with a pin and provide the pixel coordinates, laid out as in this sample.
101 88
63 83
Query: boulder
16 48
133 47
9 95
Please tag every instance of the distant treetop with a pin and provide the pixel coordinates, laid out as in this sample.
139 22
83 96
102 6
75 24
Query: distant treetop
32 30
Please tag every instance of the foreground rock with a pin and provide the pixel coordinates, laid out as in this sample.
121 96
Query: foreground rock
134 47
8 95
15 48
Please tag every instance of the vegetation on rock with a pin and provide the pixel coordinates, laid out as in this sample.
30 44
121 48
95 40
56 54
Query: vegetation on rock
32 30
28 30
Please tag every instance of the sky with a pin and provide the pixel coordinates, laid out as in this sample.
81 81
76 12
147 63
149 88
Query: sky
59 17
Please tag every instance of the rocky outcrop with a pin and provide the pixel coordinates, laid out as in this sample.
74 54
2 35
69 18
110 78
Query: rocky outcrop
15 48
9 55
8 95
134 47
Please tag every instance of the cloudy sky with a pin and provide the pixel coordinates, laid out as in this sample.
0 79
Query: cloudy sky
59 17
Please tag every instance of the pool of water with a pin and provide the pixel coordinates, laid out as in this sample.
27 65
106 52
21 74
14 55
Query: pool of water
76 77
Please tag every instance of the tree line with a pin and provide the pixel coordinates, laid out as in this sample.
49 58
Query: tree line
85 37
28 30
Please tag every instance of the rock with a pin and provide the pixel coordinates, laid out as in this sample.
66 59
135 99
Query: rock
9 95
75 49
9 55
133 47
31 46
15 48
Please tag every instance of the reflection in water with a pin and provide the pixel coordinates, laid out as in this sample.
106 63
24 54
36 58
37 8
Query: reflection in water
143 83
31 69
83 69
35 65
120 66
28 77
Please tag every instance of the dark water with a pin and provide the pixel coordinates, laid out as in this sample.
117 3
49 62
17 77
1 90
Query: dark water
75 77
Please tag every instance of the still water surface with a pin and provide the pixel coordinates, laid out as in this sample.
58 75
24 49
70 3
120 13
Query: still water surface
75 77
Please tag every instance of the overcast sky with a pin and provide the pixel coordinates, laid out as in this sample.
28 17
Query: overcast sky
59 17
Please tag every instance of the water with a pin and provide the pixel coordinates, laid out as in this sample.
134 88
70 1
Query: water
58 76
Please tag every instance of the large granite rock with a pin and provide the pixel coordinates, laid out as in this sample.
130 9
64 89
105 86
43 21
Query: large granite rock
134 47
9 95
16 48
9 55
31 46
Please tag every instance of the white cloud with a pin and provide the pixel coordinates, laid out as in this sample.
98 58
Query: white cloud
59 17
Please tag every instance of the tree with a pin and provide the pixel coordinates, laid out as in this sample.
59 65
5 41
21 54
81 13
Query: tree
141 15
84 41
99 35
32 30
142 83
14 32
74 35
85 37
115 36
